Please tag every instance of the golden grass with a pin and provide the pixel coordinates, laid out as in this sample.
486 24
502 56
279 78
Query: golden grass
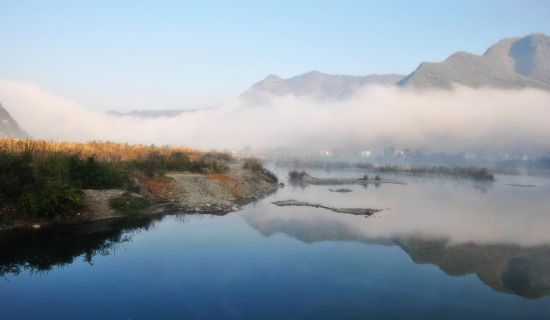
103 151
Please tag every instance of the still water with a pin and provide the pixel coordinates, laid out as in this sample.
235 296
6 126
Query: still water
444 249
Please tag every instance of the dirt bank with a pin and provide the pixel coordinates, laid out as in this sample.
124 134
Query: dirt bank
174 192
190 192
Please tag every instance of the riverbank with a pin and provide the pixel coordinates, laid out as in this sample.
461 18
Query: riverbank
175 192
44 183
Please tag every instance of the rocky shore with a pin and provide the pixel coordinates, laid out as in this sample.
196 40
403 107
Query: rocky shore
188 192
175 192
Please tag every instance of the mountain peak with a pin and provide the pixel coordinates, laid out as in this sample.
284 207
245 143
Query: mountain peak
315 84
8 126
509 63
272 77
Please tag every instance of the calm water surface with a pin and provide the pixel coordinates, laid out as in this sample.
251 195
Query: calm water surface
445 249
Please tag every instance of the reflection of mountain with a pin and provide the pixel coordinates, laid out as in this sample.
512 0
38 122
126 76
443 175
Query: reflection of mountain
40 250
505 268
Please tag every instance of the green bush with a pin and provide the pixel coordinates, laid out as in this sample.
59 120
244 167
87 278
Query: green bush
129 205
50 200
91 174
16 174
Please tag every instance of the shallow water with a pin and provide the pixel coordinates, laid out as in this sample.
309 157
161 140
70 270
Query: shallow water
445 249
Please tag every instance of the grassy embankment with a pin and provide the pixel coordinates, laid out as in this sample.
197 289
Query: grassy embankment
45 179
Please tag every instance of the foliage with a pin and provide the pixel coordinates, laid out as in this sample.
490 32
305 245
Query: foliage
51 199
271 176
47 179
129 205
256 165
253 165
15 174
297 175
460 172
91 174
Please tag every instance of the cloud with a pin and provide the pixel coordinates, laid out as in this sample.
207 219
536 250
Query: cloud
376 117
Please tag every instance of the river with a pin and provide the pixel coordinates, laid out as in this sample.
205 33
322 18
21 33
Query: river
443 248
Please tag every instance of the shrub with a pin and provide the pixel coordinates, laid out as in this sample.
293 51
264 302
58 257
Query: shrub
377 178
271 176
50 200
253 165
297 175
256 166
16 174
91 174
129 205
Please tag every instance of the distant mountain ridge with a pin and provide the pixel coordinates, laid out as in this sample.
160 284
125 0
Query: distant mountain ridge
512 63
9 127
149 113
318 85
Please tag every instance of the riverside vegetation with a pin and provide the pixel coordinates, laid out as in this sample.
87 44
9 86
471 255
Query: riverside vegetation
474 173
46 180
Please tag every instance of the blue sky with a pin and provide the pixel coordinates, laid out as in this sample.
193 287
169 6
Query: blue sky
128 55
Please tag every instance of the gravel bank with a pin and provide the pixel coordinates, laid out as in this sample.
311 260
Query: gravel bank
191 192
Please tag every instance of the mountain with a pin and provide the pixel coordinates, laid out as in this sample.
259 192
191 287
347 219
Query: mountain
317 85
149 113
510 63
9 127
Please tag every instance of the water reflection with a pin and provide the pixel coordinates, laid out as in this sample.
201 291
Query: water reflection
498 233
524 271
41 250
493 230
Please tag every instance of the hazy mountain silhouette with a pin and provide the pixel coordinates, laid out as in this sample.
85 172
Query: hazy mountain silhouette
149 113
510 63
9 127
318 85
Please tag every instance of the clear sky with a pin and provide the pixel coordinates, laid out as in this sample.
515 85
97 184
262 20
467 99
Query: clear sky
128 55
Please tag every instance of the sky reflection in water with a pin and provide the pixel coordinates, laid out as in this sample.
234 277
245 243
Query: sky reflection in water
446 249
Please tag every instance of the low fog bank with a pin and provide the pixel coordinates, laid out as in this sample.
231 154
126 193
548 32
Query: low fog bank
438 120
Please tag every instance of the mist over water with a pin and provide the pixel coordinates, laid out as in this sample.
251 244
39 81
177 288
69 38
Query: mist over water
458 211
435 120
